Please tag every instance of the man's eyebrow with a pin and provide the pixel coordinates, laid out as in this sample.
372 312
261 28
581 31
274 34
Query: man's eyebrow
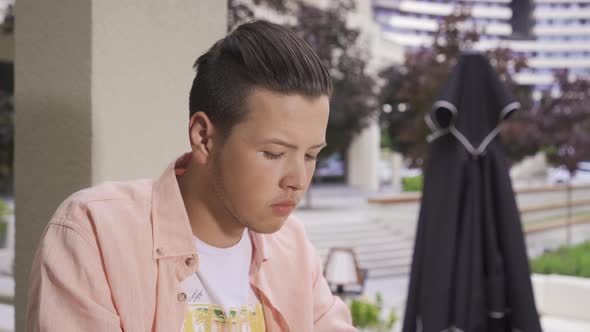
292 146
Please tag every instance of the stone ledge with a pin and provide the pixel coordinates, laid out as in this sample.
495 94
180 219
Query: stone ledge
562 302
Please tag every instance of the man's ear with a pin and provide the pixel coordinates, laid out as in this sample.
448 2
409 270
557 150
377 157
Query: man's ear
201 133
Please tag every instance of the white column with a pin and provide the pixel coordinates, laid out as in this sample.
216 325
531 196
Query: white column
397 164
101 94
363 159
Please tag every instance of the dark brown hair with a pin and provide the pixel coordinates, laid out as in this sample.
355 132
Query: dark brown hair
258 54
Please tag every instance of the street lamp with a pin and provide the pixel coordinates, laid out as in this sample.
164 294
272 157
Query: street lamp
342 272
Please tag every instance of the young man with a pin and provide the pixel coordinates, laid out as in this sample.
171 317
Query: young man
209 246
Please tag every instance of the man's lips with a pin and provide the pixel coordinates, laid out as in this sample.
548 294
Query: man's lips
284 208
286 203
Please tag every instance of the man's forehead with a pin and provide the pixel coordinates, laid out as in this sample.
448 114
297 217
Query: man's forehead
290 118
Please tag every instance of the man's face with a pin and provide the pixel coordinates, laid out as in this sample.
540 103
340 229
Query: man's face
266 163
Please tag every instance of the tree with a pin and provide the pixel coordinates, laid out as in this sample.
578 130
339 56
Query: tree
354 101
563 116
520 134
410 90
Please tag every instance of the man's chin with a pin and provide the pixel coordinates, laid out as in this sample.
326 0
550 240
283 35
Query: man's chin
269 227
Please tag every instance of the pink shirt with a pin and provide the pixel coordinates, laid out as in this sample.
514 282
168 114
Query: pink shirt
113 256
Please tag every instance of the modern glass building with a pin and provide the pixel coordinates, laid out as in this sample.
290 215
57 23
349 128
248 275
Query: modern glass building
552 34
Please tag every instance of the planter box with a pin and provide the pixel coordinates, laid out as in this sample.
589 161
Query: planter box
563 302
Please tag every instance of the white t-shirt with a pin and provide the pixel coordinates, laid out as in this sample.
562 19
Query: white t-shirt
220 297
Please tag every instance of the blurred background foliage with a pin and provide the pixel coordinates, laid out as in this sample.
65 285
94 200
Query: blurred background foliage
571 261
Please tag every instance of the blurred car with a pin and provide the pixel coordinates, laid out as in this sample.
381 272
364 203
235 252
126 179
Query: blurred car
330 167
385 171
410 172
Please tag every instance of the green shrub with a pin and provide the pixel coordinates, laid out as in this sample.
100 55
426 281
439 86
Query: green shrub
367 315
4 211
571 261
412 183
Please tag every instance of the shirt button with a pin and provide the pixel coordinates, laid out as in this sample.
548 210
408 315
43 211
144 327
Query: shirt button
181 297
189 261
160 251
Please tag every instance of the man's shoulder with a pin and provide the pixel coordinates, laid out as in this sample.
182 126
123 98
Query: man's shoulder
108 196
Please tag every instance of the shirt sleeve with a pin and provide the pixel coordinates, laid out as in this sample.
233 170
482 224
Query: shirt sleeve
331 313
68 288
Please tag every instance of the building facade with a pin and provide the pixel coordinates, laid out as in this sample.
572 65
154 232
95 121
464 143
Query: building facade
552 34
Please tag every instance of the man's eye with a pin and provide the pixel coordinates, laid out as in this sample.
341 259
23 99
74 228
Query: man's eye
310 157
271 155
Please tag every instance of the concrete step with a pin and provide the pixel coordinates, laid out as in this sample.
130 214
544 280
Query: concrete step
349 234
381 247
391 246
376 251
6 289
6 318
383 263
388 272
371 262
387 255
359 242
357 226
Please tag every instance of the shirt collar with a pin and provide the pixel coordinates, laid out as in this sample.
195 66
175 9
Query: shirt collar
172 233
171 228
260 254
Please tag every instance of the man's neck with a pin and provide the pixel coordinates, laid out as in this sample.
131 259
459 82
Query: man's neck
209 220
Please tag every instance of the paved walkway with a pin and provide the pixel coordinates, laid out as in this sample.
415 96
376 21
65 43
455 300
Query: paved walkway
6 318
6 310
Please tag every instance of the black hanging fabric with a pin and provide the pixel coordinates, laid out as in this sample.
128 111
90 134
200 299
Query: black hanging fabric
470 269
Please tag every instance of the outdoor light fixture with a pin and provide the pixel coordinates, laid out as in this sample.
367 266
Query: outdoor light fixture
387 108
402 107
342 272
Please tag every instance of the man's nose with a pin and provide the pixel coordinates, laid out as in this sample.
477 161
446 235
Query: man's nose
297 177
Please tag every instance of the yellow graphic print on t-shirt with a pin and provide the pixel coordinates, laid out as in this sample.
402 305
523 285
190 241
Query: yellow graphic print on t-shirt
212 318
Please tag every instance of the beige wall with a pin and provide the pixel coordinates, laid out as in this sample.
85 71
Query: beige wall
101 94
143 54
